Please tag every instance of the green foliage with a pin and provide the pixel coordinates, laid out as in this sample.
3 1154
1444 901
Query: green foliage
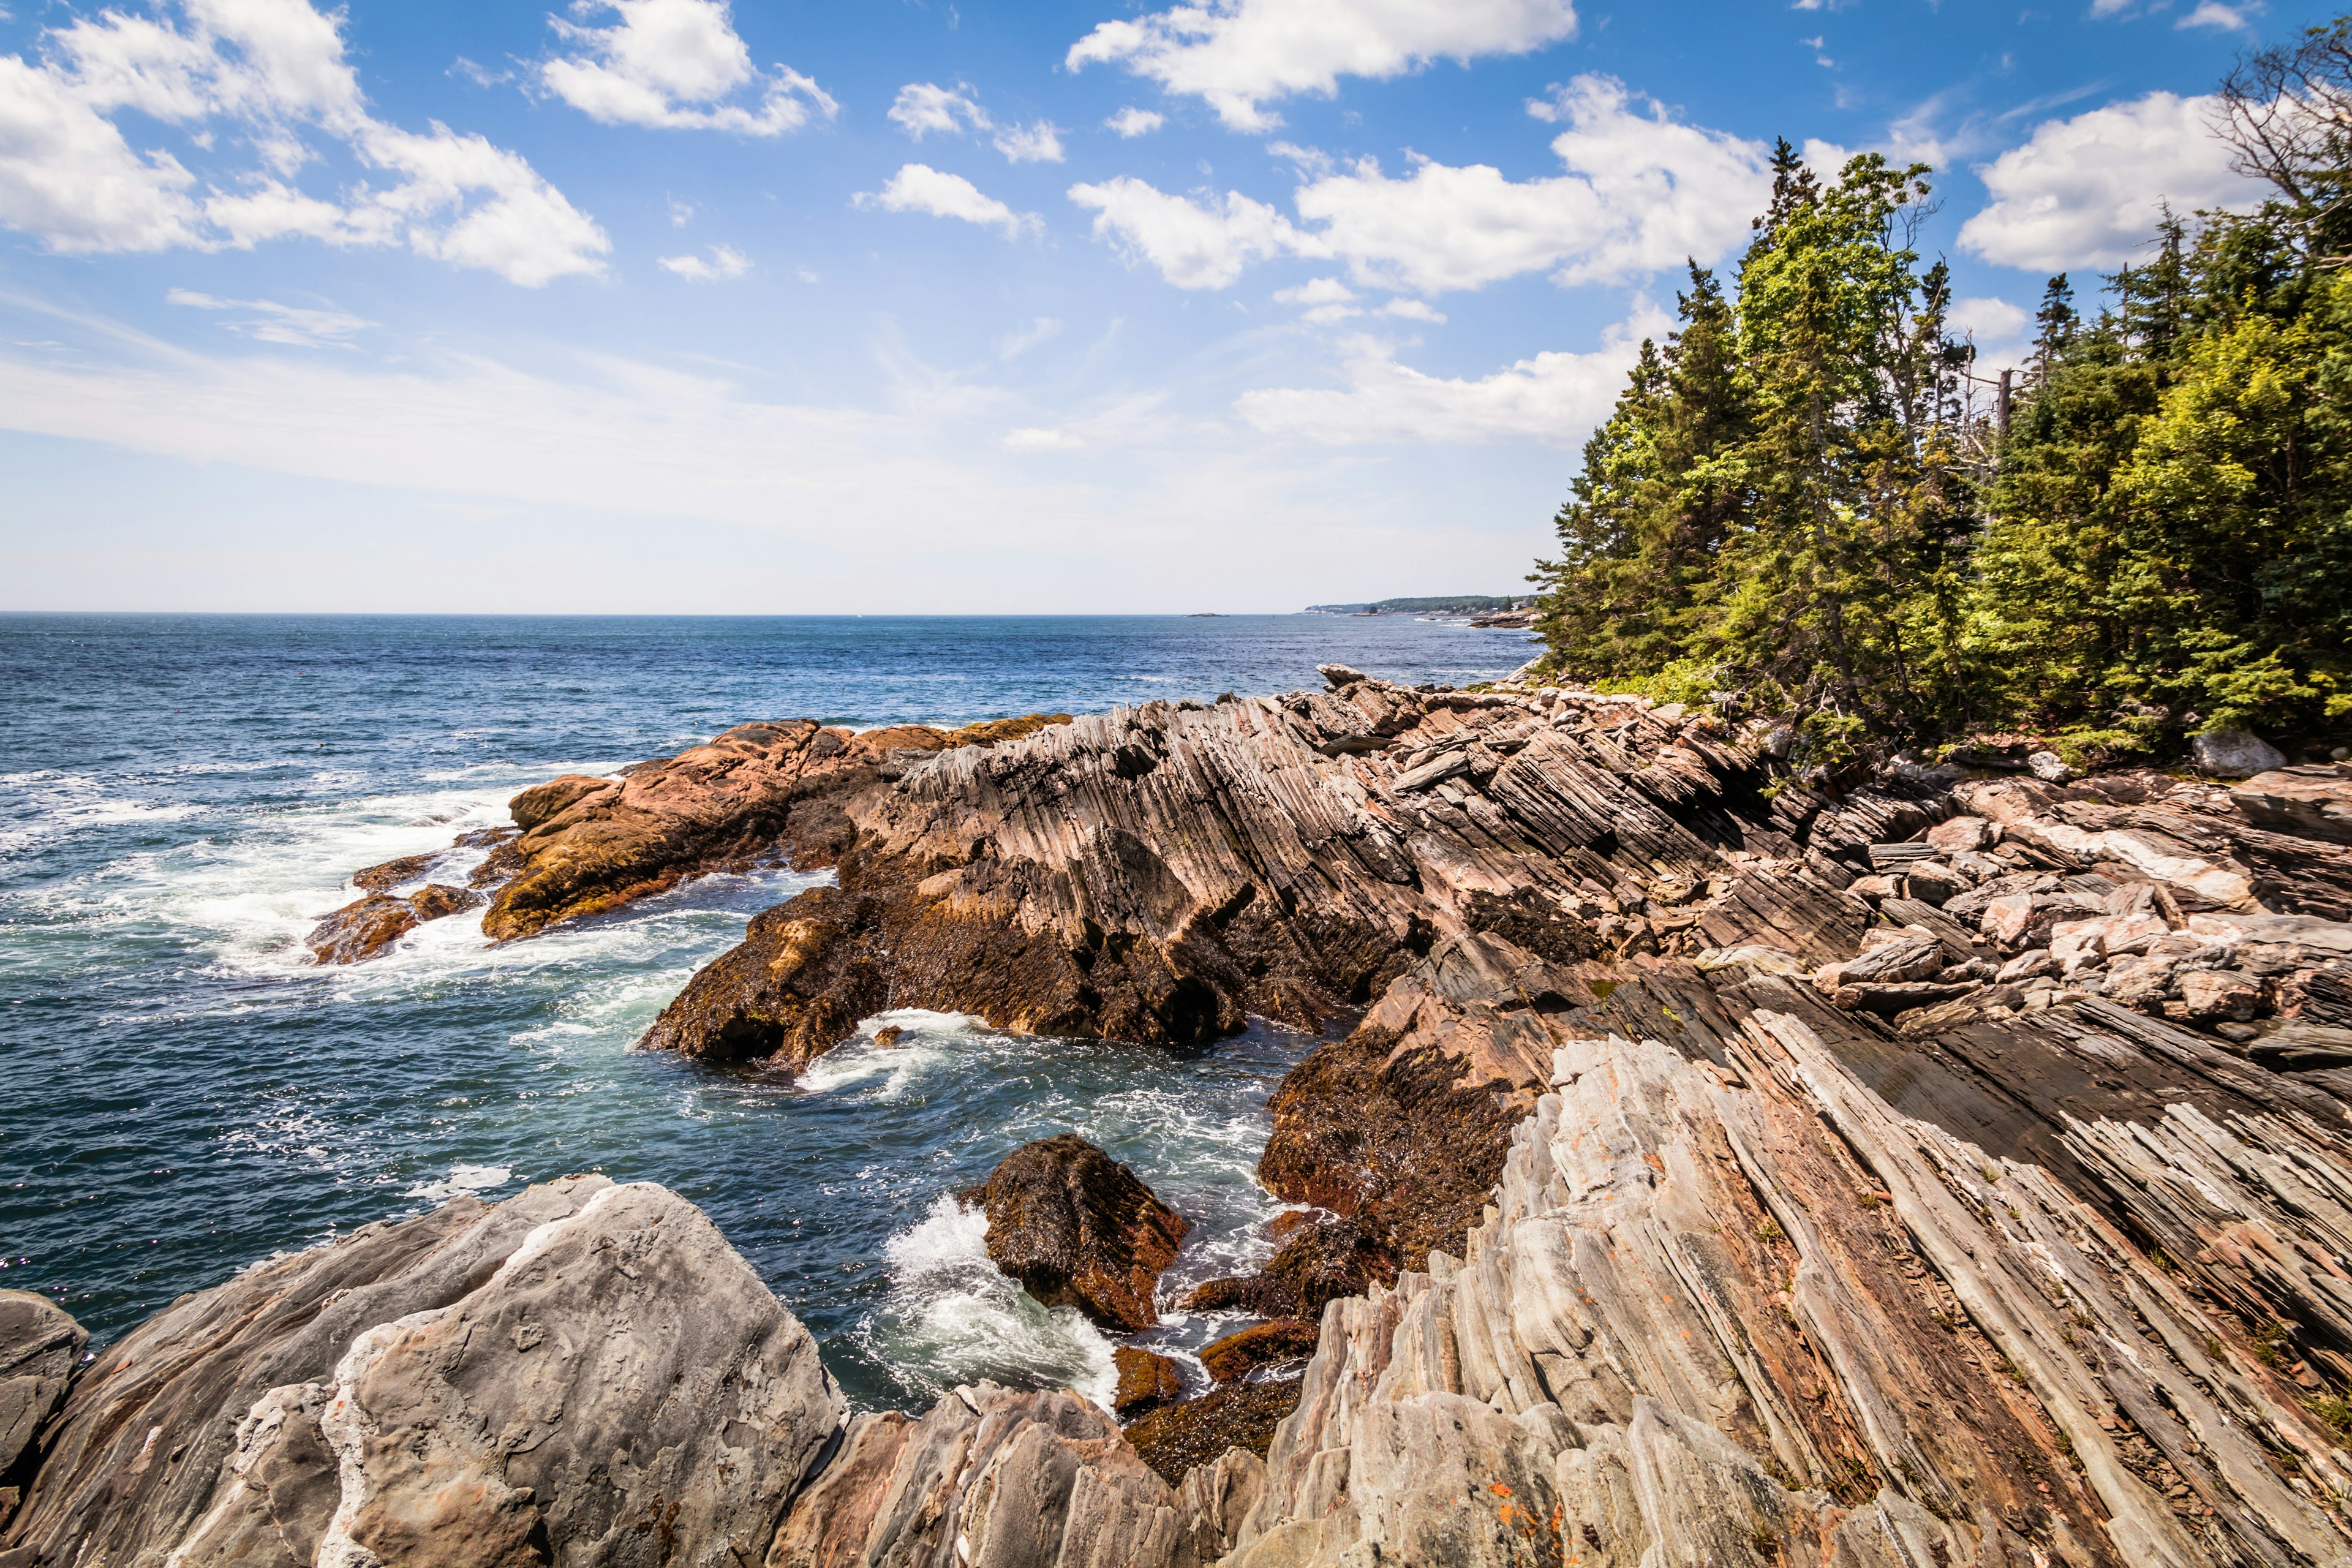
1793 505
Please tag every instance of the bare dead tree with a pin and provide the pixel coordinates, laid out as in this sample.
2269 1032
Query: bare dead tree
2286 115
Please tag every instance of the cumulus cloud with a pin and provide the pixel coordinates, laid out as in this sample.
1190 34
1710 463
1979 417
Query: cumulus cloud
1554 398
919 188
1412 311
1327 301
2219 18
2086 192
672 65
1132 121
1642 193
276 70
725 262
268 322
922 108
1237 54
1195 245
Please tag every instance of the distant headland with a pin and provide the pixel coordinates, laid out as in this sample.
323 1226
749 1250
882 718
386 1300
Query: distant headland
1483 609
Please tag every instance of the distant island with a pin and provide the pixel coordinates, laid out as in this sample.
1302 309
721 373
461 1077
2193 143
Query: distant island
1455 605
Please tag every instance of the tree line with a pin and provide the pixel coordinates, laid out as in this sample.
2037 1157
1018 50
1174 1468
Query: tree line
1809 502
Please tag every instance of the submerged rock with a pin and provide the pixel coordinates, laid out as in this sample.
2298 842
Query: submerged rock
361 930
1237 1355
1077 1228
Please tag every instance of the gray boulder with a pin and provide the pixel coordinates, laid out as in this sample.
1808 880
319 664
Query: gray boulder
586 1374
2235 753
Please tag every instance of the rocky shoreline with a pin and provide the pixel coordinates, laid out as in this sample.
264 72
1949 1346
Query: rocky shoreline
1954 1170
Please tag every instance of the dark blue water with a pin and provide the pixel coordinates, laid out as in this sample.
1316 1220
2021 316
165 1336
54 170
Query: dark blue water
181 799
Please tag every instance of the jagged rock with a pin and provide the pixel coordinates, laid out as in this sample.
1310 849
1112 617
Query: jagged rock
1338 1258
40 1345
2212 996
1146 1380
586 1373
361 930
1237 1355
2049 766
995 1478
1961 834
2311 802
2235 753
1078 1229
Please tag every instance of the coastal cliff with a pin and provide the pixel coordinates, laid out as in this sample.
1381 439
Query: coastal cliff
1955 1170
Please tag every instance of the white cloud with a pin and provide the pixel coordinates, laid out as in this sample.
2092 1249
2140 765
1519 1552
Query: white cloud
2086 192
1327 300
1989 319
1194 245
1238 54
1038 144
725 262
1412 311
919 188
271 322
2221 18
1553 398
671 65
277 70
1132 121
923 107
1642 193
1021 340
1040 440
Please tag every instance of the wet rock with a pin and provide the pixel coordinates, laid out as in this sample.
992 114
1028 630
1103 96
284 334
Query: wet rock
384 878
1146 1380
2235 753
804 974
1199 1432
361 929
436 900
39 1346
1077 1228
1337 1258
569 1375
1237 1355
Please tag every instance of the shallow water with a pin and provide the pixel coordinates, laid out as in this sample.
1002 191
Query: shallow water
181 799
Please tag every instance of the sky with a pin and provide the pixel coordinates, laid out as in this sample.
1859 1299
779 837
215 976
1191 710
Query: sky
670 306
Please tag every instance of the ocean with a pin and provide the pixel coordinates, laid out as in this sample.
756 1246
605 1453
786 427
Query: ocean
183 797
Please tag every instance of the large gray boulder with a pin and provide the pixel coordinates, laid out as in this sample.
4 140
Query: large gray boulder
585 1374
2235 753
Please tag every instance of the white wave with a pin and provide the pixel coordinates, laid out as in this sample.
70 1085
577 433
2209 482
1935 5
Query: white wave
461 1180
951 1318
925 1040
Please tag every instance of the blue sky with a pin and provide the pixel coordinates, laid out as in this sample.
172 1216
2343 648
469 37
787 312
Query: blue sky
666 306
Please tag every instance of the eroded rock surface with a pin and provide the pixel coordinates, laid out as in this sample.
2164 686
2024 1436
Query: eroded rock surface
1078 1229
40 1345
585 1373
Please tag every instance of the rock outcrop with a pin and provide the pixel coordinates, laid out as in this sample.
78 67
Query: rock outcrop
582 845
585 1373
40 1345
1078 1229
